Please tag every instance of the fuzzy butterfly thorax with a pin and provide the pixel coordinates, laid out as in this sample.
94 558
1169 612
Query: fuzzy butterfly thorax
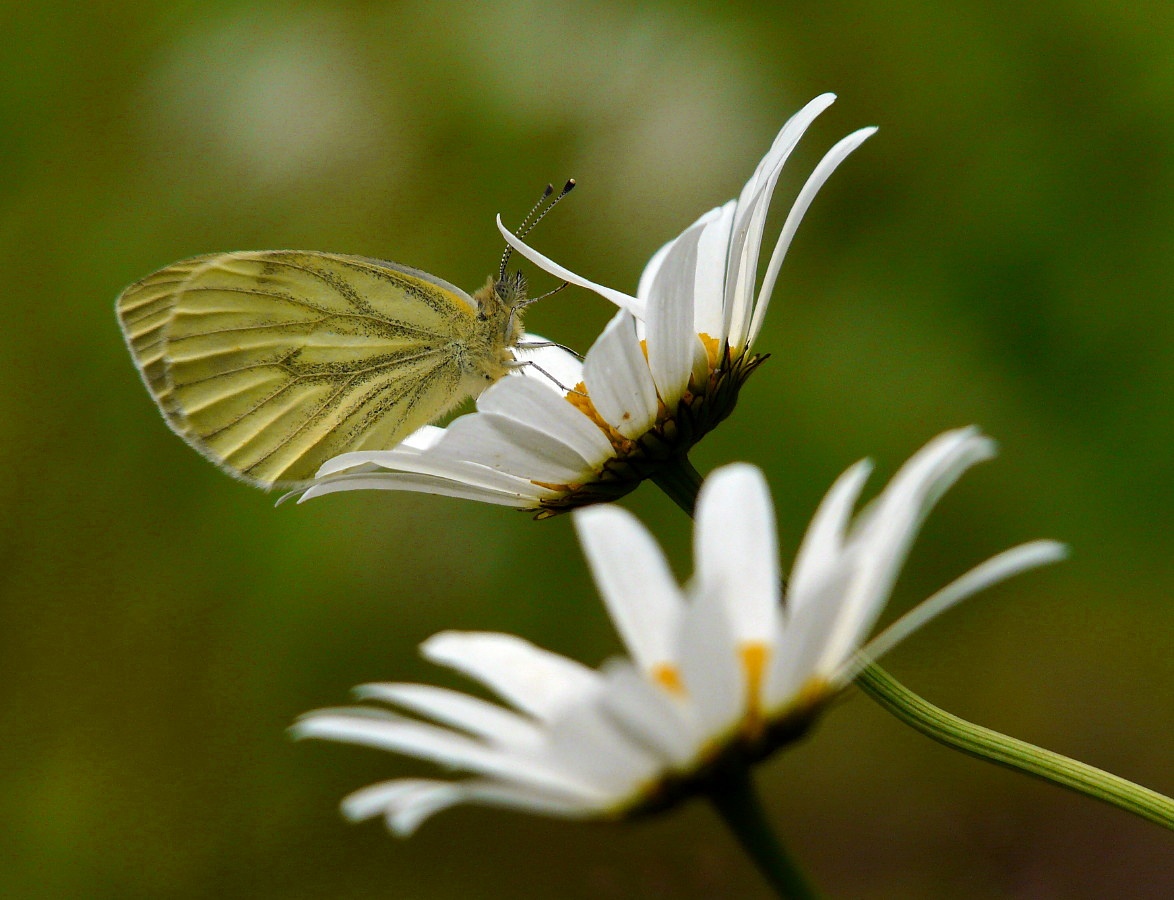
500 304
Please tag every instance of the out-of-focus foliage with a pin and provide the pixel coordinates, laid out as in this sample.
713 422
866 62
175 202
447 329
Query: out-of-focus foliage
1000 253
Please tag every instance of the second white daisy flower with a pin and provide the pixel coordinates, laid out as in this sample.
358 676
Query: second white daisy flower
720 670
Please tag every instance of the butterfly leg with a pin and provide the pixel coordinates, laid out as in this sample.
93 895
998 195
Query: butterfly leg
523 364
536 344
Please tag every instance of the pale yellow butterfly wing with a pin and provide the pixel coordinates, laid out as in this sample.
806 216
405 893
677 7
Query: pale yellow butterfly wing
271 362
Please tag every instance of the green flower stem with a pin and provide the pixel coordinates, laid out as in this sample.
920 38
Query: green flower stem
677 478
681 481
732 794
984 743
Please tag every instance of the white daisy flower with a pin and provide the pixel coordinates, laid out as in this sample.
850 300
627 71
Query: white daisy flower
721 671
665 371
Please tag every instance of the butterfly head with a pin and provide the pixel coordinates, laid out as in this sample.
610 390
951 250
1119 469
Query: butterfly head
506 294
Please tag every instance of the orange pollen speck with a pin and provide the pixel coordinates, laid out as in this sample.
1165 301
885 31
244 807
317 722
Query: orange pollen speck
667 676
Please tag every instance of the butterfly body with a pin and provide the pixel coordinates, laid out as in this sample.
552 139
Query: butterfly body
271 362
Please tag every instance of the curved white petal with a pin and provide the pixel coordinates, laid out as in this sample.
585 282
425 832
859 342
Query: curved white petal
735 549
822 172
710 287
439 745
710 666
415 807
823 544
407 802
435 465
529 403
477 717
644 287
670 333
618 380
592 750
746 237
534 680
620 299
648 713
374 800
525 496
634 580
517 448
997 568
526 799
796 658
415 444
886 529
521 797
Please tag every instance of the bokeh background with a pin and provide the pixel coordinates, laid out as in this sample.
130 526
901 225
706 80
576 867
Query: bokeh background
1001 252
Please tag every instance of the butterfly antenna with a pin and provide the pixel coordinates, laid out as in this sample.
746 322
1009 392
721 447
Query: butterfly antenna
527 226
536 214
508 252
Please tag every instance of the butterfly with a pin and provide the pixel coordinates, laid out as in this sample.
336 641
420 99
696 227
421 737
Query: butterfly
271 362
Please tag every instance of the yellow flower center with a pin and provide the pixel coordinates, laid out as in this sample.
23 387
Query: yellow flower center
754 657
712 349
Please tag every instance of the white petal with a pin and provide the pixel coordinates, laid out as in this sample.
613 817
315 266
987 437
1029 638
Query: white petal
374 799
736 550
526 496
524 450
823 544
671 338
470 714
406 803
885 531
438 464
822 172
413 445
997 568
414 808
929 473
591 749
532 679
746 237
532 405
634 580
622 300
710 666
520 797
364 459
505 796
618 380
650 715
805 634
651 268
439 745
712 257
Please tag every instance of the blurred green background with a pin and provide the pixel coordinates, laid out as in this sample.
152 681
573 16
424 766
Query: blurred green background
1000 253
